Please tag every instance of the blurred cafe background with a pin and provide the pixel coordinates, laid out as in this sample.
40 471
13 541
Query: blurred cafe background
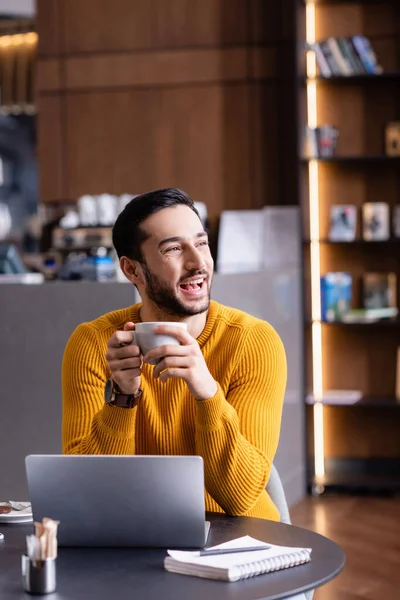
281 119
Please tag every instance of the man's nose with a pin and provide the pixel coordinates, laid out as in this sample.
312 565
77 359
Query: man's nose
194 260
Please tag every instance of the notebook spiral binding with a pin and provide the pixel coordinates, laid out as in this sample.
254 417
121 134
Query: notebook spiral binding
273 564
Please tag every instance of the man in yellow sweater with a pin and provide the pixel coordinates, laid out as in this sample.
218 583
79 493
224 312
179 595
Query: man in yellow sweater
218 394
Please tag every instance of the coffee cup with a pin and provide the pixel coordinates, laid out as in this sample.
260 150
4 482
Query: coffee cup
145 337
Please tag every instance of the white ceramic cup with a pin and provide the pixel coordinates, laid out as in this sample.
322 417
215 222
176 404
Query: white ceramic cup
146 339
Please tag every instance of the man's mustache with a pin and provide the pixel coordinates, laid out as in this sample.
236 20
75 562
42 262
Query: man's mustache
194 273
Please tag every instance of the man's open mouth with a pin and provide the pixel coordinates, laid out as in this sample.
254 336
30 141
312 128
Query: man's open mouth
194 284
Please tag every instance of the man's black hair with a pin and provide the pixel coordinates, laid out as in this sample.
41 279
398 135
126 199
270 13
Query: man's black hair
127 235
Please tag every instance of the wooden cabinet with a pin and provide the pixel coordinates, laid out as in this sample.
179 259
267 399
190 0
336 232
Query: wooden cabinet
354 446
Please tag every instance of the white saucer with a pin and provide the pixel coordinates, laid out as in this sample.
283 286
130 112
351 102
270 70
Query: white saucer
17 516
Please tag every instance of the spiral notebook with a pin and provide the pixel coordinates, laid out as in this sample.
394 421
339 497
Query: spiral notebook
238 565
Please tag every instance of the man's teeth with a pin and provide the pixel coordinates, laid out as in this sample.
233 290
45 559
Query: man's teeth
193 283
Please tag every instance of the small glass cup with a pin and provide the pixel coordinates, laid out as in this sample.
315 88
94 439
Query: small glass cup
38 577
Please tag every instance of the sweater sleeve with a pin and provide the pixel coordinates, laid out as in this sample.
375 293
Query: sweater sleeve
237 436
89 426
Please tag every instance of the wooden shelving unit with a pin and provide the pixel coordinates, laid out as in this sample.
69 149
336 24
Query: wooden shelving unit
353 447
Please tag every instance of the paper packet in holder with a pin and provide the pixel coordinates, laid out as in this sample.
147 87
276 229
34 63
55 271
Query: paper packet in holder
39 563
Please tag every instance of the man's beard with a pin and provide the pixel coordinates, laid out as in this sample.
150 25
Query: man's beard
163 297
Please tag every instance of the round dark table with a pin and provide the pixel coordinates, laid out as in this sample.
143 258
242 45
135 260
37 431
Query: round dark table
138 574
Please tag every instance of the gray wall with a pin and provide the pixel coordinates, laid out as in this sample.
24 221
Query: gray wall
37 320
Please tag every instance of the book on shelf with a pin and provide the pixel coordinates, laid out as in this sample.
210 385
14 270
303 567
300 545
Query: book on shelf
348 50
322 62
367 55
335 397
336 295
321 142
375 221
327 51
343 223
398 375
233 566
346 56
369 315
341 59
396 221
379 290
392 138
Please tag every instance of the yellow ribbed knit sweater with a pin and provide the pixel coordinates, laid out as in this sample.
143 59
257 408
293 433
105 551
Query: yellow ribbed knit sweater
236 432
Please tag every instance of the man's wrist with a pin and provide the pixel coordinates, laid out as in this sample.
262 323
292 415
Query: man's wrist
113 396
206 395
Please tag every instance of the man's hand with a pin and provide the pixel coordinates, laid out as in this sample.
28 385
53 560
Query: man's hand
183 362
124 360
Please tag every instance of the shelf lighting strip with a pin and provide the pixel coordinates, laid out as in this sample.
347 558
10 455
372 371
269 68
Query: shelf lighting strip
313 172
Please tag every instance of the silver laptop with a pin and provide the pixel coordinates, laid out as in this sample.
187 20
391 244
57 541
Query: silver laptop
149 501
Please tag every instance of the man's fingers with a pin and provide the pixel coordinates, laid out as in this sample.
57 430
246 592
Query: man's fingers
129 326
171 362
167 350
119 353
175 373
127 363
120 338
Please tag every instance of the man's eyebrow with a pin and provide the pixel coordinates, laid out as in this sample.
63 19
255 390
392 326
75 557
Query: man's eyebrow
179 239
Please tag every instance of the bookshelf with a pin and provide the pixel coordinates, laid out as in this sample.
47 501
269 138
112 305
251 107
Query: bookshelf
352 447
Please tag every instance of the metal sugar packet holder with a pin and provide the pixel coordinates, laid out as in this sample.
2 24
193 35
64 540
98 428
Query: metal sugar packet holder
38 565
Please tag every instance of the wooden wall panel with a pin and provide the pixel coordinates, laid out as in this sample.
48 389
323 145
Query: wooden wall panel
126 25
156 69
48 75
50 140
236 150
153 93
195 138
264 21
264 140
48 23
107 26
191 23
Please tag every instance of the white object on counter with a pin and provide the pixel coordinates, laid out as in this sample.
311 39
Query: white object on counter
87 211
70 220
31 278
106 210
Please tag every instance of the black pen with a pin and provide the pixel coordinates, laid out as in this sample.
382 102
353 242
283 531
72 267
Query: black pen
231 550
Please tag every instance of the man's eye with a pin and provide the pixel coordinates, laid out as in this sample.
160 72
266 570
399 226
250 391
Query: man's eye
173 249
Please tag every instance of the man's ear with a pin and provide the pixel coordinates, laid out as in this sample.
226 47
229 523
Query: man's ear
132 270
